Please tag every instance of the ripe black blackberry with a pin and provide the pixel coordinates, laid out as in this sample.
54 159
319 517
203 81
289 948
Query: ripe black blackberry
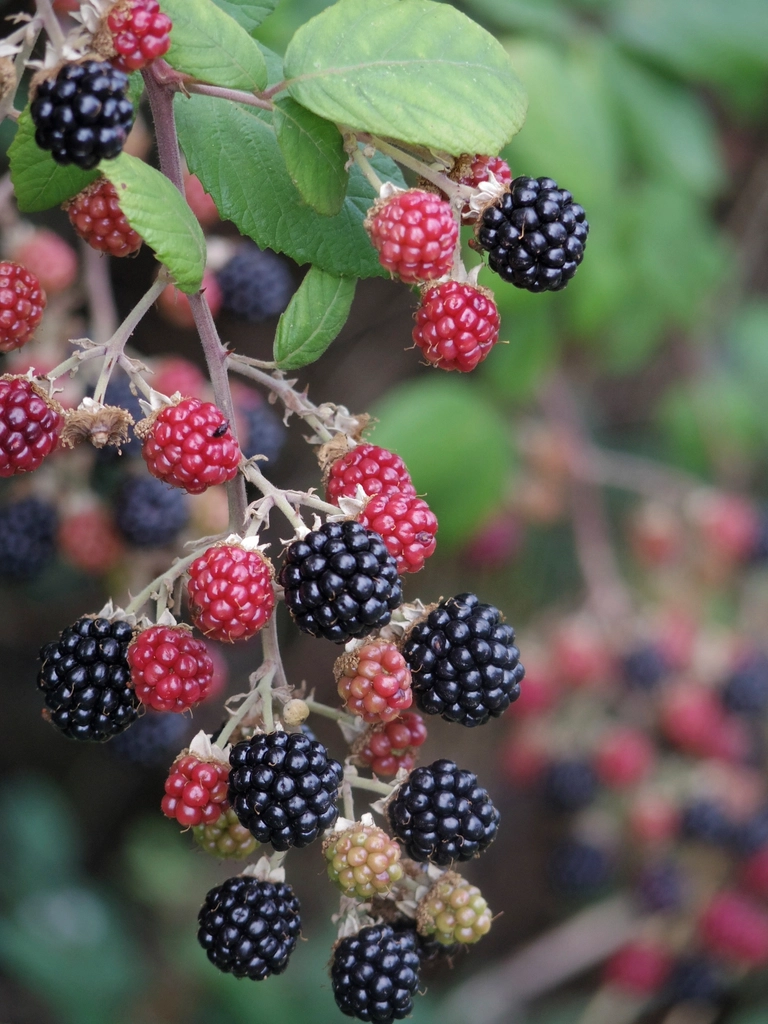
340 582
264 434
428 949
85 679
283 787
27 538
249 928
440 814
705 821
150 513
256 284
570 784
644 667
83 115
534 234
659 887
152 740
751 835
577 868
375 975
746 691
696 978
464 661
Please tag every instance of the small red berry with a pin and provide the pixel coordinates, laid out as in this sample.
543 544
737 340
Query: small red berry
691 717
190 445
195 790
415 234
89 540
374 682
30 425
728 523
52 260
524 759
22 302
96 216
406 524
623 757
170 669
375 469
481 169
457 325
140 33
735 928
230 592
201 204
179 374
754 873
653 819
539 694
174 306
389 747
581 655
496 542
639 968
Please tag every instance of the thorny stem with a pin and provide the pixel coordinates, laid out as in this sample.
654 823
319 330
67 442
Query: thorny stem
178 568
129 366
73 362
252 473
365 166
271 650
292 400
161 102
27 36
443 182
235 95
51 22
358 782
263 692
325 711
116 344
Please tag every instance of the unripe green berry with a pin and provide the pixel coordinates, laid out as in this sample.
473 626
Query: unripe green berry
225 837
454 911
363 861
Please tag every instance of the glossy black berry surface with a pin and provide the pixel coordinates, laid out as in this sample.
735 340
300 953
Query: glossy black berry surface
249 928
85 679
340 582
375 975
27 538
283 787
440 814
83 115
464 662
150 513
534 235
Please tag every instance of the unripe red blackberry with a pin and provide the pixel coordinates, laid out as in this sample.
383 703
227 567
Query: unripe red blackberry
374 681
375 974
736 929
624 757
89 541
170 669
140 33
203 207
85 680
190 445
406 524
482 167
639 968
96 216
464 661
375 469
283 787
173 304
363 861
535 235
48 258
22 302
441 814
340 582
454 911
388 748
249 928
415 235
457 325
226 837
195 790
230 592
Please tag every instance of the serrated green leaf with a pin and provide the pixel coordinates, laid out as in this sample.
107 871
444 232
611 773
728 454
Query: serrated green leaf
156 210
213 47
248 13
234 153
314 317
313 151
412 70
38 181
447 431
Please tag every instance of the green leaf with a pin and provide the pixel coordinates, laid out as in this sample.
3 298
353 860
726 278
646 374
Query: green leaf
447 431
248 13
314 155
545 16
211 46
314 317
38 181
234 153
157 211
412 70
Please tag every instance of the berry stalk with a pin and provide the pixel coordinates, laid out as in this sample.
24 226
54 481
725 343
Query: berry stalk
293 401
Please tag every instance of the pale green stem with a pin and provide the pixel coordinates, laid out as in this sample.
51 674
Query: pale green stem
52 26
27 36
271 649
261 692
349 801
254 474
365 166
74 361
358 782
116 344
328 712
443 182
178 568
